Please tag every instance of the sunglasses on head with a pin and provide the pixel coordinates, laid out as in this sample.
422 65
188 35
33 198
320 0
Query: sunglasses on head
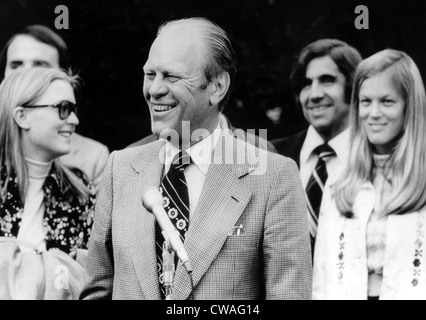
65 108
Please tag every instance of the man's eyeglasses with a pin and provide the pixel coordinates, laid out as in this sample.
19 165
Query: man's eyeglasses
65 108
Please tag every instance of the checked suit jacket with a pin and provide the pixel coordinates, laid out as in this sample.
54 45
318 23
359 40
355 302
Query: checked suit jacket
270 260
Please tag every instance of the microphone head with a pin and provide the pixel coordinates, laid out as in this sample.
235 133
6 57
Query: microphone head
151 198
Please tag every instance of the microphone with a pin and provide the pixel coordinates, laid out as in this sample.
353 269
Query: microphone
152 200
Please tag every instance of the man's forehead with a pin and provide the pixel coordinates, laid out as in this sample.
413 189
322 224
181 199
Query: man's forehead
175 50
185 29
322 66
27 48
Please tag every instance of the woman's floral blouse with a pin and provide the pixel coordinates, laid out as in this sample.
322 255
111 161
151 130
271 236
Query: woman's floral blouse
67 221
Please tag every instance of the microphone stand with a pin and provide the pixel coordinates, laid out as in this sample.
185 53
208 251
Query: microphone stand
168 267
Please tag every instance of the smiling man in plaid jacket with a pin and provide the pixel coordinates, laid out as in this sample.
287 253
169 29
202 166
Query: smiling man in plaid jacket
246 231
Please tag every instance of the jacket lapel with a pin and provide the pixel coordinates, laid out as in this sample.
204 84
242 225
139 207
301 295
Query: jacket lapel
140 224
223 199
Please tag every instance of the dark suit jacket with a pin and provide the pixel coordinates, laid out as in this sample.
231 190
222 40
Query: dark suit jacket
291 146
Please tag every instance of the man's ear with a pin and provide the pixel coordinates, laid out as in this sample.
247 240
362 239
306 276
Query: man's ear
220 87
21 118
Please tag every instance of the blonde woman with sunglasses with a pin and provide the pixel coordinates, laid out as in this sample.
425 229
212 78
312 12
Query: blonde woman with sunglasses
42 202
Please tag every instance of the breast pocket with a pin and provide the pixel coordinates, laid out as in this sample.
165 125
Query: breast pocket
239 264
240 243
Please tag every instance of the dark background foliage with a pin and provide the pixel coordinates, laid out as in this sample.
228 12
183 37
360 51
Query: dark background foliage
109 43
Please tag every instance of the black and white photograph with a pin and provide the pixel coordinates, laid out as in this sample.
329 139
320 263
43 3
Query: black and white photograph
212 150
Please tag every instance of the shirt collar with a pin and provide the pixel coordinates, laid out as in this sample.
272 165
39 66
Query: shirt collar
339 144
201 152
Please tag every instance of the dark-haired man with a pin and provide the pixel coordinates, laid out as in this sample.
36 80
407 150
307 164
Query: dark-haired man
322 83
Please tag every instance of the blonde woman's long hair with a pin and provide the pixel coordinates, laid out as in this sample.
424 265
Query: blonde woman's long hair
408 159
25 87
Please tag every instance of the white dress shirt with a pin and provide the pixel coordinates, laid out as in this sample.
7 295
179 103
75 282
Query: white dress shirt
195 173
308 161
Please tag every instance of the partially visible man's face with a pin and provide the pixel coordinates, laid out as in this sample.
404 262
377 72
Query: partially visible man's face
323 97
174 76
26 52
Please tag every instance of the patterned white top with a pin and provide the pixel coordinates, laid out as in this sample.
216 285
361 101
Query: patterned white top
377 225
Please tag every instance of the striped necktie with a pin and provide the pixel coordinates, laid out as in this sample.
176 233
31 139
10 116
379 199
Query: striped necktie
176 203
315 187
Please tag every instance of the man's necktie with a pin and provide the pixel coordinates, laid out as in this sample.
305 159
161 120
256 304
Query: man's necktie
315 188
176 203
